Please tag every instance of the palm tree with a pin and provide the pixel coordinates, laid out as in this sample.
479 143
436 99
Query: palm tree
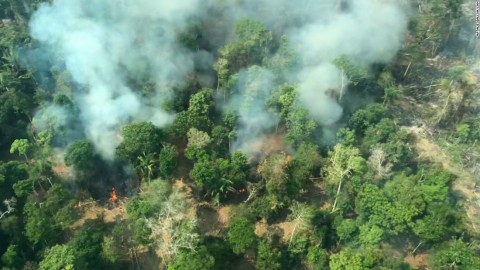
146 164
223 187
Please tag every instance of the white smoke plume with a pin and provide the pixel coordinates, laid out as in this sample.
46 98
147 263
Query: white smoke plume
103 44
254 86
366 31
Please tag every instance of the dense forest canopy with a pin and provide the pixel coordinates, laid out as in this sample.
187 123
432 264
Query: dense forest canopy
239 134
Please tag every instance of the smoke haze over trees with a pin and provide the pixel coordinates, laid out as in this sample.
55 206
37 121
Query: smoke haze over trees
239 134
125 59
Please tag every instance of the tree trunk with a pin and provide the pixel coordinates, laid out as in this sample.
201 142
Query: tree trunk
336 196
415 249
293 233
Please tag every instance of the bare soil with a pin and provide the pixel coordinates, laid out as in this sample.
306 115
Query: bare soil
419 261
91 210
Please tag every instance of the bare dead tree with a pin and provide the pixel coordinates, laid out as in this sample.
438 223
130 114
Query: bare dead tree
174 228
10 204
379 164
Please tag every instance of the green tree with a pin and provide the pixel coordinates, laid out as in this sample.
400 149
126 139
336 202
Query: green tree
200 110
138 138
87 244
363 118
285 60
305 161
236 169
343 162
198 142
150 200
268 257
241 235
370 234
21 146
198 138
456 254
273 172
205 174
193 260
384 131
463 132
300 126
59 257
47 217
317 258
146 165
81 155
113 251
346 229
167 160
430 228
253 44
347 259
346 136
12 257
354 72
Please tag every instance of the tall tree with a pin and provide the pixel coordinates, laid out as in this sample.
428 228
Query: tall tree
344 161
138 138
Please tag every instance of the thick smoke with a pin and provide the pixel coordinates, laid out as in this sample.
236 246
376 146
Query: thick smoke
253 87
366 31
107 44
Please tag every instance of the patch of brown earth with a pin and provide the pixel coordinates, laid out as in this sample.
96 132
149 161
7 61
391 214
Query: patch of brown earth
224 215
267 145
261 228
212 221
183 187
91 210
207 220
287 228
419 261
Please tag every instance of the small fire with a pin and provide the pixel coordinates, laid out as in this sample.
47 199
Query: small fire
113 196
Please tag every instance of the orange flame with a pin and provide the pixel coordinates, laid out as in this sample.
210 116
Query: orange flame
113 196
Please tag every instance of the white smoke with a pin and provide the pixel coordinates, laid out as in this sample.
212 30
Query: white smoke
368 31
254 86
105 43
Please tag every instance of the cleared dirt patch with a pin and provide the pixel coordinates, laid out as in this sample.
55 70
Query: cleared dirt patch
261 228
208 220
419 261
224 215
91 210
287 228
212 221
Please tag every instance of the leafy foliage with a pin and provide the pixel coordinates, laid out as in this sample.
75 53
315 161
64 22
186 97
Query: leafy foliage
241 235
